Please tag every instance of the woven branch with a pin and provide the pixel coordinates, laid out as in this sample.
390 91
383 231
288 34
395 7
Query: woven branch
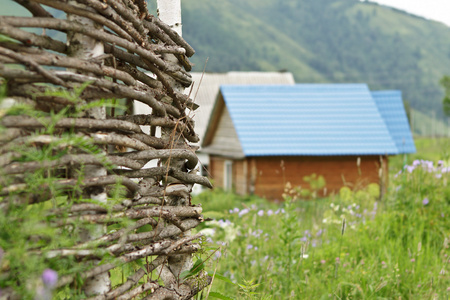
133 66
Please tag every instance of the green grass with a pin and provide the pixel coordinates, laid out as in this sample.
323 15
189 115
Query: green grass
397 248
433 149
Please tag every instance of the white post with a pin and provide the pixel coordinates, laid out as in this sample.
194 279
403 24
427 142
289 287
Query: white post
82 46
169 11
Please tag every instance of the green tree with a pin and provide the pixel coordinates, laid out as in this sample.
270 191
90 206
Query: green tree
445 82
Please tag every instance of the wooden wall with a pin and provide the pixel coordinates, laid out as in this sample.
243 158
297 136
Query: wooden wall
267 176
239 173
216 169
240 176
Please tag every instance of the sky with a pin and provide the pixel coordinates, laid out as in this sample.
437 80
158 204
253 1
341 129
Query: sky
438 10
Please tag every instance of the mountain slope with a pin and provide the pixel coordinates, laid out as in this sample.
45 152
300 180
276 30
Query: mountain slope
318 41
323 41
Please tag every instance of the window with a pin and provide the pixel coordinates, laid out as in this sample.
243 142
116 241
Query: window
228 175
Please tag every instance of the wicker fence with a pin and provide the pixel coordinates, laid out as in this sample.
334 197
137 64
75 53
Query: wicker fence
98 155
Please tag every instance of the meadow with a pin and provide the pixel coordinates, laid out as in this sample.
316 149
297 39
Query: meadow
352 245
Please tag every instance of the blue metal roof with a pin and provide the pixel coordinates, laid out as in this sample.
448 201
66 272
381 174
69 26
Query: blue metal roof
390 105
307 119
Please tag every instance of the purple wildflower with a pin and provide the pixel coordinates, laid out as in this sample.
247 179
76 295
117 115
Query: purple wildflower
270 212
319 233
410 169
257 233
425 201
429 166
249 246
261 213
223 223
244 212
49 278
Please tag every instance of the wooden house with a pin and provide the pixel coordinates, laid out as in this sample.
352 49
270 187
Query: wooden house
261 137
206 88
204 92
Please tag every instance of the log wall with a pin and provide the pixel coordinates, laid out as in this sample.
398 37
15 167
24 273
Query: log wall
267 176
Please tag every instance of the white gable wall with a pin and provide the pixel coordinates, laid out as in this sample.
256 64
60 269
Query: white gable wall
225 141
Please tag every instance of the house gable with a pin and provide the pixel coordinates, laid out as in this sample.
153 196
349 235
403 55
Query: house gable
221 137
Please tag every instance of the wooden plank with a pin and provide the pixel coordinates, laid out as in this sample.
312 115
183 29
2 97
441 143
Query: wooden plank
216 166
239 180
272 174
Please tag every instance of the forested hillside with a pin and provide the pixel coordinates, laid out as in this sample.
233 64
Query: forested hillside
319 41
323 41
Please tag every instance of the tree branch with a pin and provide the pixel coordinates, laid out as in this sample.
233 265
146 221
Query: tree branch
49 59
63 25
84 159
31 39
33 65
167 212
162 171
164 154
34 8
67 8
23 122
